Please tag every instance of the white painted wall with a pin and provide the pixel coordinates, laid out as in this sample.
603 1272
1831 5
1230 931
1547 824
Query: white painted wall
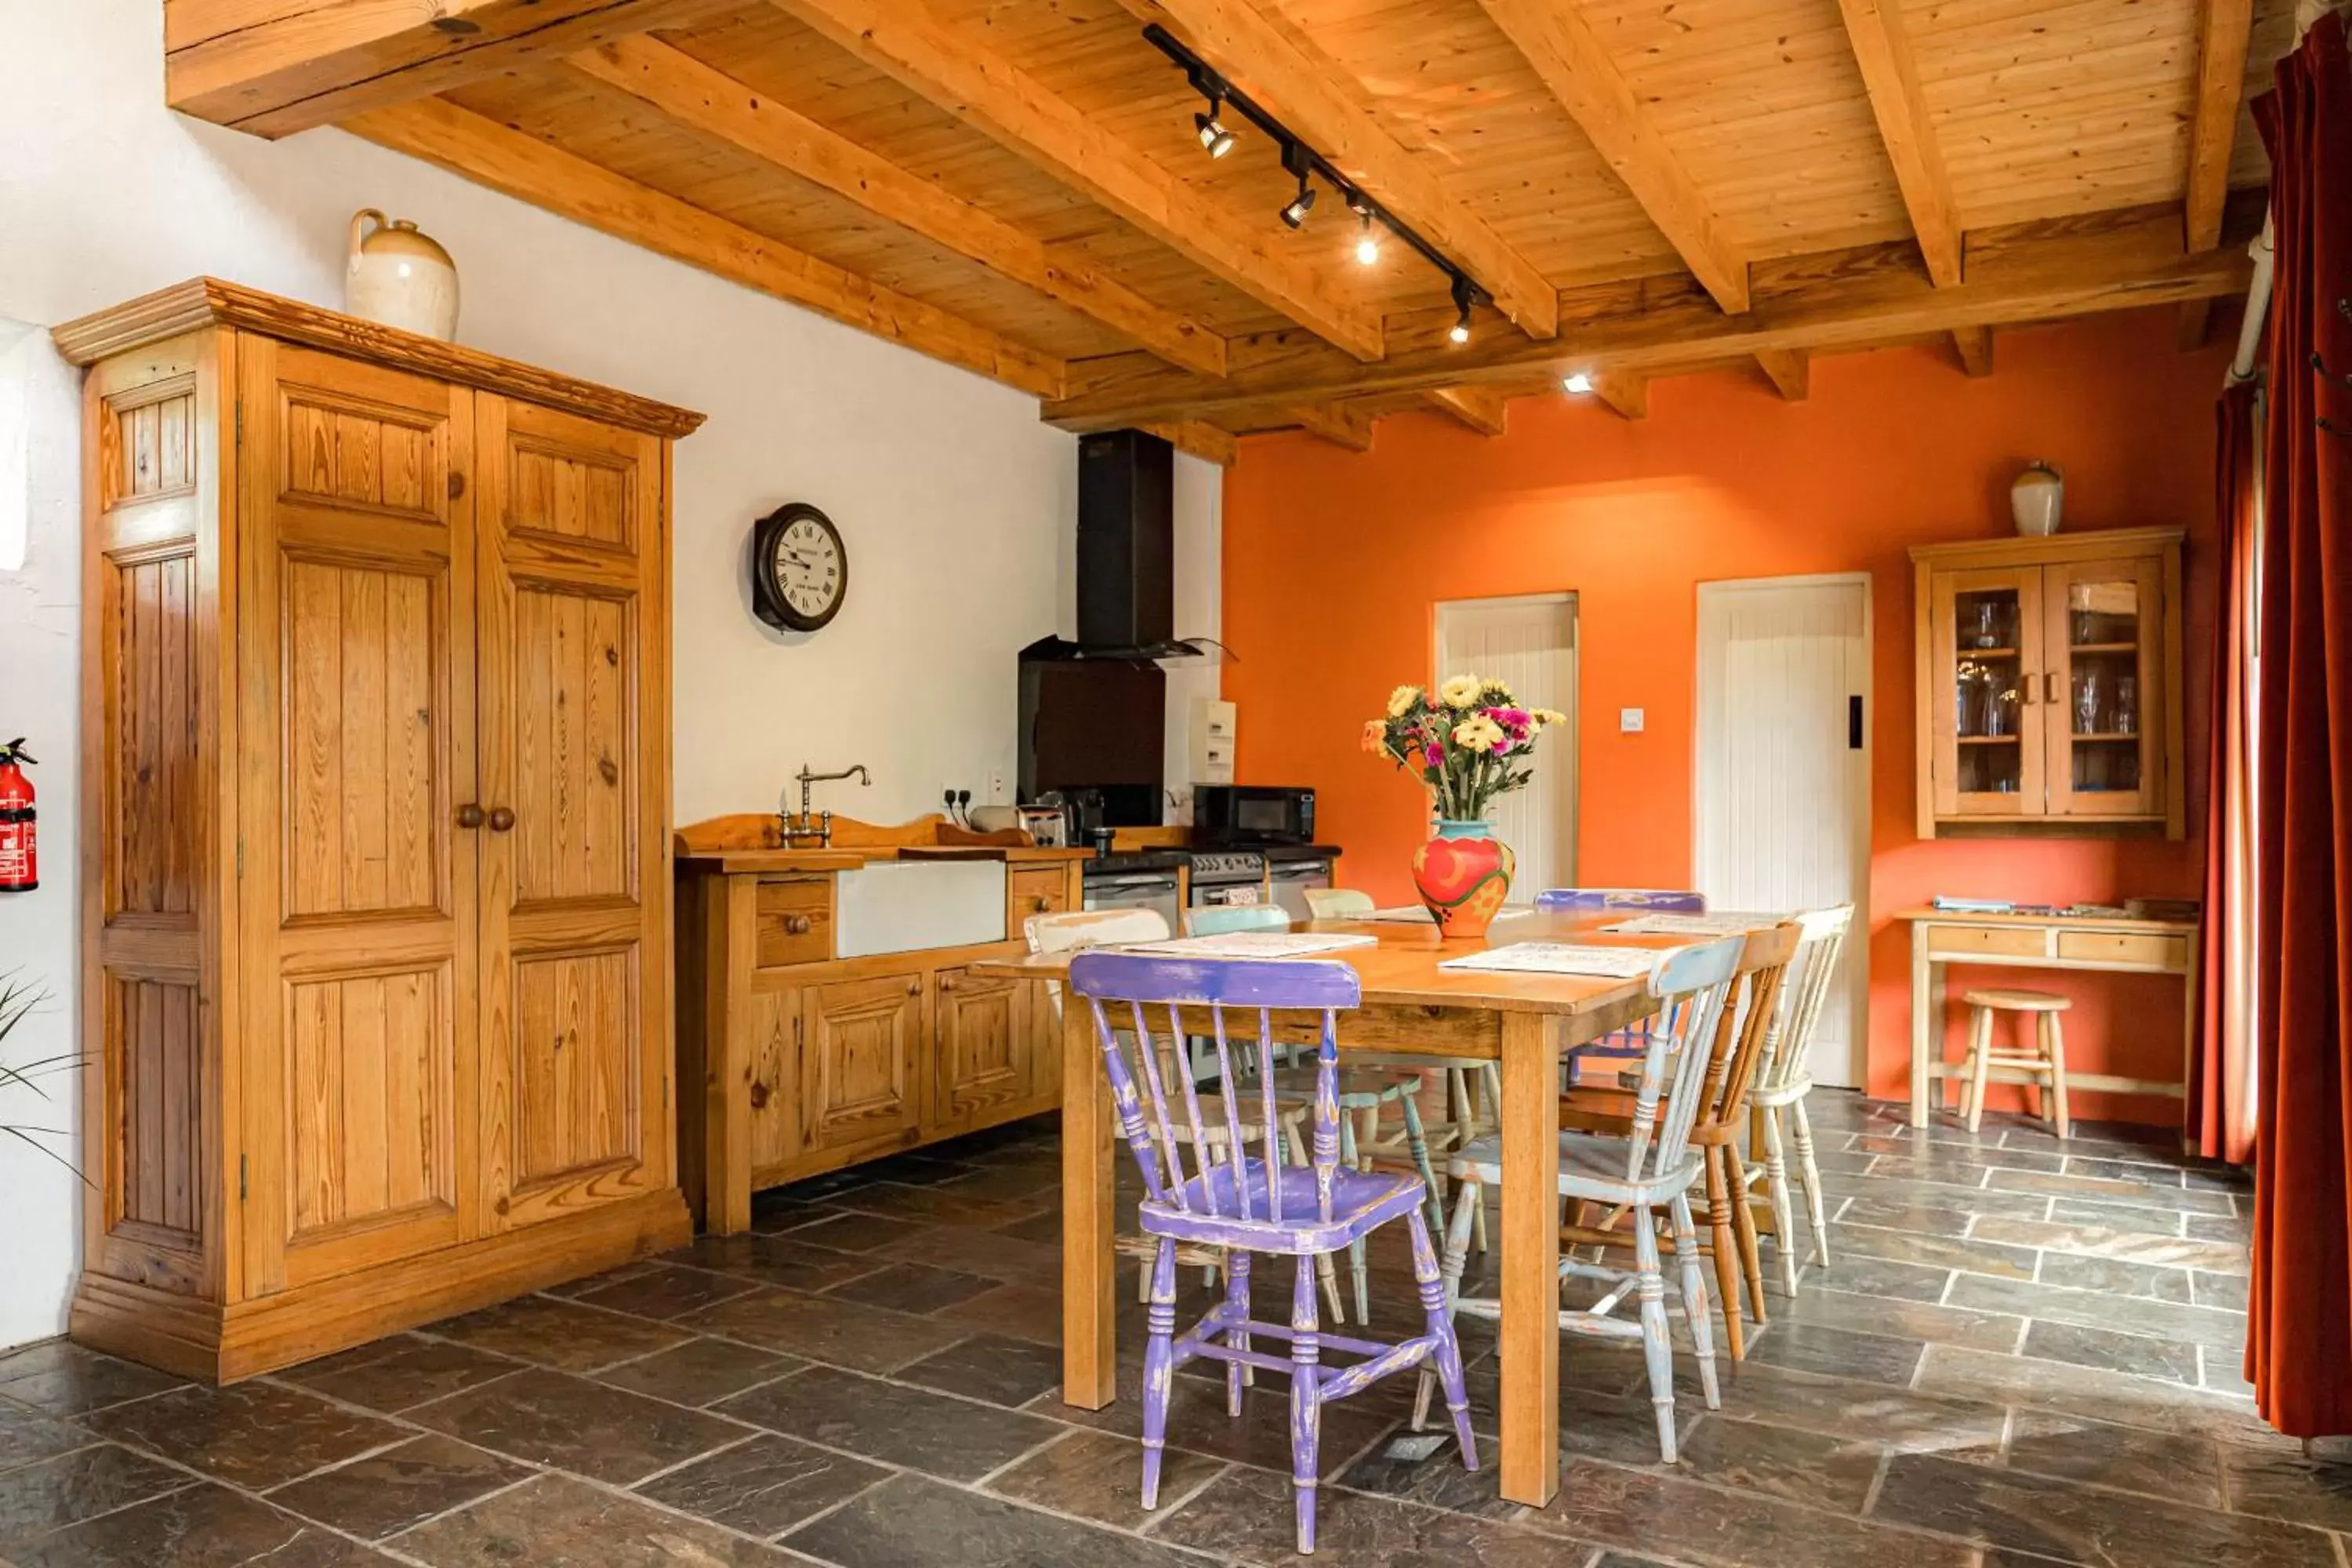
956 504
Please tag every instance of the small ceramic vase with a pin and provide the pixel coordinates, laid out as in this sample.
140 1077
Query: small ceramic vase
1463 875
2035 500
398 277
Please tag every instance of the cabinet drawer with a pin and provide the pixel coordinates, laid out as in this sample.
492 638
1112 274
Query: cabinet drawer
2140 949
794 921
1035 890
1997 942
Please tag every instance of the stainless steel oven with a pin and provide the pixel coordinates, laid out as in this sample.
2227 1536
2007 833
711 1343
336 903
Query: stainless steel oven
1150 887
1227 876
1290 879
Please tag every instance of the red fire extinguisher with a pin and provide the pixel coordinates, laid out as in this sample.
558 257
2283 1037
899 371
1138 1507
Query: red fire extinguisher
20 862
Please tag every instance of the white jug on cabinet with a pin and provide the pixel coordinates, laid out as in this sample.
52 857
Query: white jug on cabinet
399 277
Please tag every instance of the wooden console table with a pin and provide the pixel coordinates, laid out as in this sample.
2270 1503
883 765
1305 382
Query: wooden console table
1941 937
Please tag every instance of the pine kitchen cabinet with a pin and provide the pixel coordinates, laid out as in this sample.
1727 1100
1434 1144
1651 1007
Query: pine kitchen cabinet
376 883
2050 688
797 1059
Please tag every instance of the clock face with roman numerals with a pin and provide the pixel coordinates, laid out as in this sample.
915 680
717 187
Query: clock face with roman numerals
799 568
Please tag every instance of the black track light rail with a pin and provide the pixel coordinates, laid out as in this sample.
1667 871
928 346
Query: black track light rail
1300 159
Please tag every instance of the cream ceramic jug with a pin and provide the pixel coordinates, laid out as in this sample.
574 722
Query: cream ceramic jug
400 277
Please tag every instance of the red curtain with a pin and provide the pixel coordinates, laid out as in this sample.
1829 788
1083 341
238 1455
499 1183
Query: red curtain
2221 1083
2299 1326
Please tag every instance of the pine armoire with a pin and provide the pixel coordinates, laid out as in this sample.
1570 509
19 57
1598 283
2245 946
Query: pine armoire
375 853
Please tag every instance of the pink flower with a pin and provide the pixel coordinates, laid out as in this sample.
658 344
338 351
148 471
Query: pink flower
1432 759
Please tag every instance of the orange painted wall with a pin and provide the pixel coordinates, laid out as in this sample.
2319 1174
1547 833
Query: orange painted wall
1334 562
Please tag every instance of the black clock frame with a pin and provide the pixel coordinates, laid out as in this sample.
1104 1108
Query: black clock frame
768 600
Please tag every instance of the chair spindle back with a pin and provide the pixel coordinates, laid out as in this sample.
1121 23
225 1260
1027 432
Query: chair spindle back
1746 1028
1821 943
1689 985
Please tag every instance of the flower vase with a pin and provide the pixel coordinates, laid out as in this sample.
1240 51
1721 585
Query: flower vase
1464 874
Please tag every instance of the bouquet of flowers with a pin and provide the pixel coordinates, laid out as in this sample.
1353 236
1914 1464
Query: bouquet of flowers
1468 742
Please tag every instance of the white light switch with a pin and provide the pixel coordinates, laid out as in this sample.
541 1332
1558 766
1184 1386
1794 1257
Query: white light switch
1629 720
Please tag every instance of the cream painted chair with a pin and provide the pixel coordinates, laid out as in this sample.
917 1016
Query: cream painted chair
1777 1103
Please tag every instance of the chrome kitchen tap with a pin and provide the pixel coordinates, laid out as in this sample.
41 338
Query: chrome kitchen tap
820 827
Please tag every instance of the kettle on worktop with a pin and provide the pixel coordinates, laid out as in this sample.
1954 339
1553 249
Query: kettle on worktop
399 276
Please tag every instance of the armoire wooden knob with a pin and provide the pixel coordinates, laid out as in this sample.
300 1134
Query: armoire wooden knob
469 815
501 819
758 1095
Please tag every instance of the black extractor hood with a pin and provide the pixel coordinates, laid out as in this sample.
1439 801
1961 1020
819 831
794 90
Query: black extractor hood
1127 556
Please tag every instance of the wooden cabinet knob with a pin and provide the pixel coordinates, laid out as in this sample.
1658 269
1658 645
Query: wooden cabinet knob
469 815
914 988
758 1095
947 982
796 925
501 819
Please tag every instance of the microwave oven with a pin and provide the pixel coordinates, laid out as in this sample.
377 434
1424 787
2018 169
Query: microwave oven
1246 814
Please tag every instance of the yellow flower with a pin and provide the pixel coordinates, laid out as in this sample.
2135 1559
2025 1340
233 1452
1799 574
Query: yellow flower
1461 691
1478 734
1498 693
1547 717
1401 701
1376 735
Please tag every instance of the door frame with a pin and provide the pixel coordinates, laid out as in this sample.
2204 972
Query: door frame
1572 804
1857 953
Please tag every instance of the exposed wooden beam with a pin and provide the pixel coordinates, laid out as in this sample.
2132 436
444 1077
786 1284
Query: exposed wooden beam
714 104
1336 423
1974 347
954 69
2193 325
529 170
1577 66
1202 440
1789 370
1890 74
1626 393
1828 302
2224 28
1267 62
276 67
1483 408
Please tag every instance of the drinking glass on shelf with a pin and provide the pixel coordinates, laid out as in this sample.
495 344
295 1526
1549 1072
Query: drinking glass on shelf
1987 626
2126 717
2089 697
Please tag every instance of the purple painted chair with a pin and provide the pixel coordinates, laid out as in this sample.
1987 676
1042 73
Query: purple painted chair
1252 1205
1647 901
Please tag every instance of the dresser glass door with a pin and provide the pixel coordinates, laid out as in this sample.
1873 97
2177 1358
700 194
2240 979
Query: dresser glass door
1987 632
2100 626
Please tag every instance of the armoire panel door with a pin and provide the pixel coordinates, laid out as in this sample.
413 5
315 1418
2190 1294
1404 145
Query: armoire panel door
358 882
575 878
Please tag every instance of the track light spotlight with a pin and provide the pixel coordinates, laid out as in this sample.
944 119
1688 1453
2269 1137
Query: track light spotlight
1215 139
1300 205
1463 295
1576 382
1368 244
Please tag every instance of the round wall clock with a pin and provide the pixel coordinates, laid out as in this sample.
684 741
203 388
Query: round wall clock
799 568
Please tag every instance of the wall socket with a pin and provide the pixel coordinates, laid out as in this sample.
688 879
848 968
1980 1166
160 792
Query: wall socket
996 787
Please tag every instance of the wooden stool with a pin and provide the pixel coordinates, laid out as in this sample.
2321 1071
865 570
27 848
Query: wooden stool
2045 1064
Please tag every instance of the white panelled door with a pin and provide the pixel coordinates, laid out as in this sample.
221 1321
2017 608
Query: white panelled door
1530 644
1783 784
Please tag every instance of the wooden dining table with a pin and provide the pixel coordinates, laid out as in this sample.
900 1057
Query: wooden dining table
1527 1022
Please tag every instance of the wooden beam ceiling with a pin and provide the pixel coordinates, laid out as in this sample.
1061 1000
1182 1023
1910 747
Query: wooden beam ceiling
531 170
1625 393
1204 441
2193 325
2223 29
1482 408
956 70
289 65
1890 74
1304 92
1789 371
1336 423
1973 345
693 94
1555 39
1838 299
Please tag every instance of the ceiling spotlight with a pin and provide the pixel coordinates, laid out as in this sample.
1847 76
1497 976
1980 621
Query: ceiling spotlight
1215 139
1368 244
1464 293
1300 205
1578 383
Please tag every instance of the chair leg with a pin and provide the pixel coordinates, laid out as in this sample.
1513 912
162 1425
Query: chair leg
1702 1331
1437 1313
1743 1226
1349 1156
1416 1142
1158 1367
1801 1126
2053 1046
1467 1199
1726 1252
1237 1308
1306 1403
1331 1276
1979 1053
1490 1078
1657 1344
1784 1217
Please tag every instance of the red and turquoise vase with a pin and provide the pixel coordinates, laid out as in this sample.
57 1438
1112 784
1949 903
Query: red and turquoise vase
1464 875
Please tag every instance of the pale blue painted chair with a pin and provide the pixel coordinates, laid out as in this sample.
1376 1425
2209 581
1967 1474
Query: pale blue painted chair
1365 1089
1623 1045
1255 1205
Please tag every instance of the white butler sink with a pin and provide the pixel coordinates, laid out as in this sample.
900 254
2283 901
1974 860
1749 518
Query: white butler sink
903 906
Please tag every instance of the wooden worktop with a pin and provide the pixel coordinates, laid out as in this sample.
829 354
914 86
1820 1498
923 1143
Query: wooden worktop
753 842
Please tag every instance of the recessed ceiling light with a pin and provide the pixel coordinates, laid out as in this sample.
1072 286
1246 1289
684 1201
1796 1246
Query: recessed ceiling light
1579 383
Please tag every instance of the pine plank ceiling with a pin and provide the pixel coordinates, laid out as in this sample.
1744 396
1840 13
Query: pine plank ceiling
1638 187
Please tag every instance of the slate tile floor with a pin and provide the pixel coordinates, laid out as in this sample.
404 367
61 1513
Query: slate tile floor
2025 1353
